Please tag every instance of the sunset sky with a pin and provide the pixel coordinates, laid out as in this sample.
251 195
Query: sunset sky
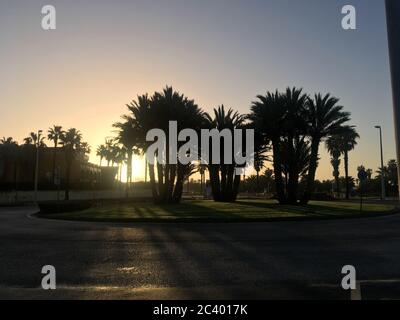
104 53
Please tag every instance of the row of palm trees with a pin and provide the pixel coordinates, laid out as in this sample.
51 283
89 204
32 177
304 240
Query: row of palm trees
70 140
290 126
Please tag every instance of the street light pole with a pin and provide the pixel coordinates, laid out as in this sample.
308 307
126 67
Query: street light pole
383 191
37 165
393 27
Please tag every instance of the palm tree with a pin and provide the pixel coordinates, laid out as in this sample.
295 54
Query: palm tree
259 164
33 139
333 145
110 152
28 141
224 180
348 140
71 142
85 148
54 134
280 117
295 131
155 113
101 152
324 118
267 117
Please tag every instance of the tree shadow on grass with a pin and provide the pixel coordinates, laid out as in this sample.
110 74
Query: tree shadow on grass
312 210
191 210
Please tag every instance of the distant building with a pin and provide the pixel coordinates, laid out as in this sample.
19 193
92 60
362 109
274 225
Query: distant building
19 170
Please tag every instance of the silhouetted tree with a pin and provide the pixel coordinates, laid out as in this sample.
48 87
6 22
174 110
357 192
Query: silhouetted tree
348 141
333 144
54 134
223 177
71 142
156 113
324 118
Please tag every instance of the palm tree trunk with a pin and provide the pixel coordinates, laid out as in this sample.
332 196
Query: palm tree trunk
178 190
236 184
54 163
128 172
215 182
67 182
171 183
153 182
160 174
278 172
257 181
337 179
346 171
312 170
231 183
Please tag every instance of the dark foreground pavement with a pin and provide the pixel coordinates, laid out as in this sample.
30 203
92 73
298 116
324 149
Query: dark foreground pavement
282 260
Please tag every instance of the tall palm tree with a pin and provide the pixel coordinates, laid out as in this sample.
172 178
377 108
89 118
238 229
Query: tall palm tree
267 116
324 118
54 134
333 145
71 142
295 131
348 141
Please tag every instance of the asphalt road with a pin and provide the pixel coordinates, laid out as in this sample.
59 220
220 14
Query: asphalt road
281 260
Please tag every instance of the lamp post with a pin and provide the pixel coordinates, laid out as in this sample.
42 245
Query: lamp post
37 165
393 27
383 191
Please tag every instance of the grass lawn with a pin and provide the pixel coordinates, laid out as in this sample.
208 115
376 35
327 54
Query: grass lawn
209 211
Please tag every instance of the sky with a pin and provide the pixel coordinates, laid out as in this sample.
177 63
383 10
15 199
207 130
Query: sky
105 53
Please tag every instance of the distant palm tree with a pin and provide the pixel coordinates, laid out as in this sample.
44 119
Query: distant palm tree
110 153
259 163
348 141
101 152
33 139
28 141
54 134
333 145
85 148
71 142
128 136
324 118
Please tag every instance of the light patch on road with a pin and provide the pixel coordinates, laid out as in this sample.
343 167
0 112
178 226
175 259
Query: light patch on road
129 270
